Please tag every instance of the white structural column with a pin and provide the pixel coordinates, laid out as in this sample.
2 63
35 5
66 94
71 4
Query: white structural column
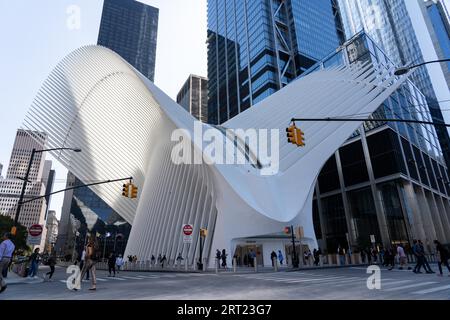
124 124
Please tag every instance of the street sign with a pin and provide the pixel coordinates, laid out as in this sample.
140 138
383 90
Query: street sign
372 238
188 229
34 234
35 230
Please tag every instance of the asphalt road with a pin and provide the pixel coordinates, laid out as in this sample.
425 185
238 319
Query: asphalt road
333 284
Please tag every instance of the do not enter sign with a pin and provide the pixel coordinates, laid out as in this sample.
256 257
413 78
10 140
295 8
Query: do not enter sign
187 233
187 229
35 230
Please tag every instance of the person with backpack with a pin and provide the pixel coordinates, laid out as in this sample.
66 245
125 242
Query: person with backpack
92 256
163 260
224 259
442 256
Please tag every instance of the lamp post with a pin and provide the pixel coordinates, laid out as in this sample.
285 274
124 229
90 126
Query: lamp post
25 181
403 70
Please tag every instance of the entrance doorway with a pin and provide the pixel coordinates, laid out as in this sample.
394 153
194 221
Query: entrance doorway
242 254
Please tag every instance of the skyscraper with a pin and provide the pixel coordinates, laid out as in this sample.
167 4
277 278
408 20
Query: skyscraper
389 23
437 18
257 47
40 180
130 28
193 96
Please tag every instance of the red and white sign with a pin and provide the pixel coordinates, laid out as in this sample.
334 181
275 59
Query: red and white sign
35 230
187 229
34 234
187 233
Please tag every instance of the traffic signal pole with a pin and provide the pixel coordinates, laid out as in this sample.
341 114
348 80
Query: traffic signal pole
374 119
294 253
76 187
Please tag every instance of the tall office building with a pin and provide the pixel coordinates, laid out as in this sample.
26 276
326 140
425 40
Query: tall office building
437 17
40 181
1 170
403 39
52 231
388 180
257 47
193 96
130 28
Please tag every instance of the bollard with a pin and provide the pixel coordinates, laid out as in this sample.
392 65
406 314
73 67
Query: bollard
186 264
338 260
320 260
217 265
330 259
234 265
275 264
204 264
147 265
255 263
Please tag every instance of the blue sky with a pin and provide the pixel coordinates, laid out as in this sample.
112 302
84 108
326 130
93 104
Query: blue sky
35 37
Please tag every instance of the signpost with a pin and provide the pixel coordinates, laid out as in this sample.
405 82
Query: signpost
34 234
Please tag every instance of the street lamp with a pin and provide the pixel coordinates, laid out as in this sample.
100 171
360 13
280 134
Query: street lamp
403 70
25 181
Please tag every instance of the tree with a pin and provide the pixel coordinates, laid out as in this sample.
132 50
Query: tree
20 239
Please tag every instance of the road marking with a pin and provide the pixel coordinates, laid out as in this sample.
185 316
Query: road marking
115 278
432 290
133 278
410 286
393 282
101 279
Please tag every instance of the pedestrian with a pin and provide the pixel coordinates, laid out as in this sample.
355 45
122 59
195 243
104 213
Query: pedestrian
341 255
7 248
130 258
163 260
152 260
224 259
425 261
389 258
34 263
273 258
363 256
179 259
316 255
246 260
218 256
92 256
119 262
280 257
403 261
135 259
159 258
83 259
112 264
442 257
51 263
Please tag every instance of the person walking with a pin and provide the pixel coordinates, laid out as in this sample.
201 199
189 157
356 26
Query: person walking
273 258
442 256
403 261
83 260
7 248
92 256
280 257
179 259
119 262
51 263
425 261
163 260
224 259
218 257
316 255
152 260
34 262
112 264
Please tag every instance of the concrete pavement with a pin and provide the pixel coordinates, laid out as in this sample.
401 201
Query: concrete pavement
332 284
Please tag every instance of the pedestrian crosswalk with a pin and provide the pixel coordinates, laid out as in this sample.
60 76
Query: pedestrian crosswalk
388 284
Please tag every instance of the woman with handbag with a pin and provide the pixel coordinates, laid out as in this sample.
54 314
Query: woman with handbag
90 260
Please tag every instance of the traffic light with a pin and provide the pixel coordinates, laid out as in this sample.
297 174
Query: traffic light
287 230
134 191
291 134
126 190
295 135
203 232
300 137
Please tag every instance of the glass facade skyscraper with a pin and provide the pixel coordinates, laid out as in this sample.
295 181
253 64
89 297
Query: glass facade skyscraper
439 27
389 24
130 28
256 47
